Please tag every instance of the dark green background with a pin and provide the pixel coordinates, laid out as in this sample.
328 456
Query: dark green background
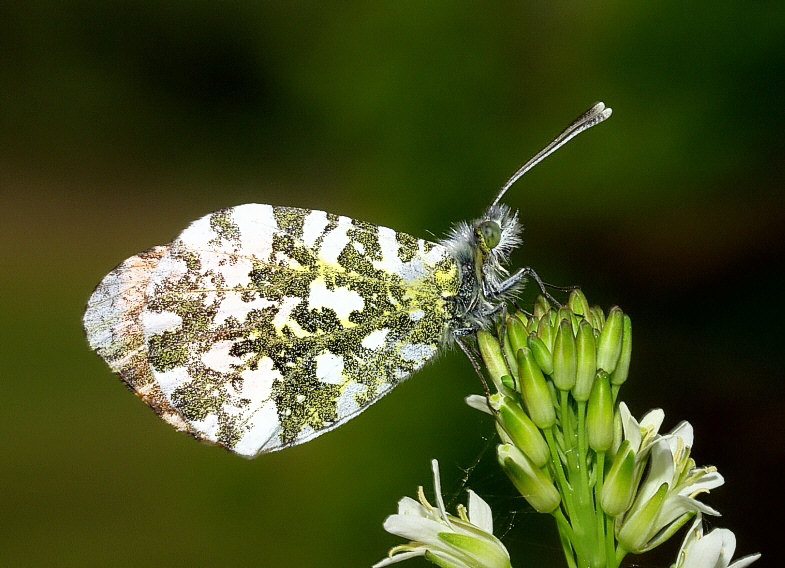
120 122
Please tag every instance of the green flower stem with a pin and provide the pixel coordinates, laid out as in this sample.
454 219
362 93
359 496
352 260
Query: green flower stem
600 519
620 554
611 553
566 537
615 393
561 479
567 424
589 506
576 499
583 447
582 515
576 460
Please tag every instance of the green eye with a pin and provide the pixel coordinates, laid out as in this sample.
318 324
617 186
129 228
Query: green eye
491 233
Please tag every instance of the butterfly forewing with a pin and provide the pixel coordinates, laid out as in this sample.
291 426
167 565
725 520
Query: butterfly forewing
267 326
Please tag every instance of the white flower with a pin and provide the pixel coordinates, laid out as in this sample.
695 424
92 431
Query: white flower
669 465
465 541
713 550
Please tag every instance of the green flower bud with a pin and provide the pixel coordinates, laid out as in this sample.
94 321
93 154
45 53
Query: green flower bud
535 390
597 317
545 330
481 551
578 303
609 344
566 313
516 331
618 433
509 382
565 360
509 355
541 306
530 481
541 354
586 351
599 415
520 429
492 355
619 487
634 533
622 370
503 435
523 318
439 560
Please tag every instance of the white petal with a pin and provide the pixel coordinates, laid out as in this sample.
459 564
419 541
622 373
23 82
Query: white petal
696 505
399 558
708 552
408 506
661 463
728 547
684 431
478 402
437 487
675 506
632 431
480 513
652 420
745 561
705 482
661 470
693 534
414 528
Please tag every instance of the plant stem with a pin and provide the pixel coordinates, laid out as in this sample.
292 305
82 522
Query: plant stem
565 536
600 515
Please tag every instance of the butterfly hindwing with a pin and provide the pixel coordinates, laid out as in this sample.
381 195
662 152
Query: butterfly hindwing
113 329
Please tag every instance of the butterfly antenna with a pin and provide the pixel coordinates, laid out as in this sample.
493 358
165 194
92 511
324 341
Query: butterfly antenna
591 117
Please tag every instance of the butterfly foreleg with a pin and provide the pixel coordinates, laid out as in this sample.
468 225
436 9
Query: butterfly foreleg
517 277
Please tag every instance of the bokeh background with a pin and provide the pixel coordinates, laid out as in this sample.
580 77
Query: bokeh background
120 122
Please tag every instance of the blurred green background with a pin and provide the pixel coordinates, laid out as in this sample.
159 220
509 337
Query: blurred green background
120 122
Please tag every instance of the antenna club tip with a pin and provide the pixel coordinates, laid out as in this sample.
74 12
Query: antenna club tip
596 114
599 109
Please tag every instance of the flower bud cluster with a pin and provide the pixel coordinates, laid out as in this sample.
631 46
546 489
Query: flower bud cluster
570 448
614 485
545 366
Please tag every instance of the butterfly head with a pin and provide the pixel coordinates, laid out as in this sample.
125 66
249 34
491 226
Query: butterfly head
497 233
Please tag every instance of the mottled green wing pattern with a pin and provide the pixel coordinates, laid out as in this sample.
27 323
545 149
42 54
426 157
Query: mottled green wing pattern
267 326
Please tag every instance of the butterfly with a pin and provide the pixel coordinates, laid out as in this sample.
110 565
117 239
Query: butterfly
261 327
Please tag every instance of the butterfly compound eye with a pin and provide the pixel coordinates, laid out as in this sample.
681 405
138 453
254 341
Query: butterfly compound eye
491 233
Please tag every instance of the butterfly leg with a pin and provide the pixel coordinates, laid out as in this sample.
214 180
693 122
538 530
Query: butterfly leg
464 331
475 363
497 309
521 274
